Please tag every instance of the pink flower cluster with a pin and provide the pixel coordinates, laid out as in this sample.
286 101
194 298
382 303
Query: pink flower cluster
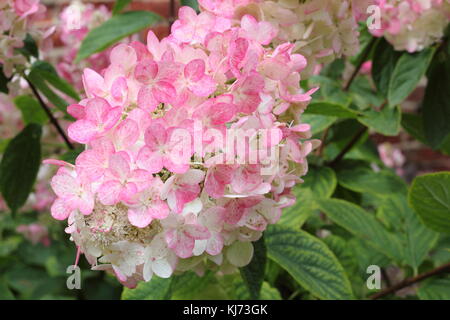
156 190
412 25
76 20
16 20
321 30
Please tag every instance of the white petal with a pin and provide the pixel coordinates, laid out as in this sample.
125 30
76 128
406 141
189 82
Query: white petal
162 268
240 253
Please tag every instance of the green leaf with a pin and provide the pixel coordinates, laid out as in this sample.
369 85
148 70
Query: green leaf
3 81
364 95
436 103
407 73
115 29
8 245
190 3
267 292
155 289
20 165
430 198
31 110
330 91
5 292
321 181
39 82
330 109
189 286
318 122
363 179
71 155
49 74
417 240
309 261
412 123
362 224
296 215
253 273
119 5
384 60
435 289
29 48
386 121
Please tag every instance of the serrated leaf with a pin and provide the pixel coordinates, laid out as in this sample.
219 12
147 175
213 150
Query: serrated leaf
296 215
430 198
417 240
435 289
386 121
362 179
253 273
363 225
267 292
115 29
155 289
187 286
309 261
31 110
20 165
408 72
330 109
321 181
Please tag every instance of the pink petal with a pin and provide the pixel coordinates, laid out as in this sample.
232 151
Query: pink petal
139 217
145 99
194 70
109 193
94 85
82 131
60 210
149 160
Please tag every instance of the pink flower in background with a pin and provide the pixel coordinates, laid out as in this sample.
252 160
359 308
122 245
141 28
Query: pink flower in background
25 8
35 233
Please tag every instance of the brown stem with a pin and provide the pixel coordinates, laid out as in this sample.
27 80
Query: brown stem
361 62
322 145
172 13
348 147
50 115
410 281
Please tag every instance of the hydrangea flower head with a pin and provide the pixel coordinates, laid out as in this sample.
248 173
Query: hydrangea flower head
192 146
412 25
